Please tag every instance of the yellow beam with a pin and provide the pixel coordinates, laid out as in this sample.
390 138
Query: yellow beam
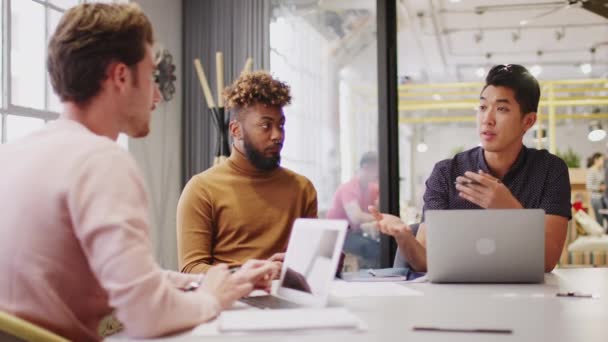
595 116
580 81
474 94
479 85
552 121
437 119
404 106
539 131
459 104
577 101
471 118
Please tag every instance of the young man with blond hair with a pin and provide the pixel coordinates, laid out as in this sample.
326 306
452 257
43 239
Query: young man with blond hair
74 234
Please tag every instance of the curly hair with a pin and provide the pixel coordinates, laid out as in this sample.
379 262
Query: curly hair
256 87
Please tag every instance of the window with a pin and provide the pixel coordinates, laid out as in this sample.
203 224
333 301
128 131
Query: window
28 100
327 54
27 53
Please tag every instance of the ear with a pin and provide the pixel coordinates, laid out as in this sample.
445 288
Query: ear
118 74
529 120
235 130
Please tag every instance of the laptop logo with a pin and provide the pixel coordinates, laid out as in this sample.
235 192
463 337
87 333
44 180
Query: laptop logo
485 246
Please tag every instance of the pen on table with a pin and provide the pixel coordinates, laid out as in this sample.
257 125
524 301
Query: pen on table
574 294
371 272
459 330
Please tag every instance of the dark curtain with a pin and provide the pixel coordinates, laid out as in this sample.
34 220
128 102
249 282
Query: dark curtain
239 29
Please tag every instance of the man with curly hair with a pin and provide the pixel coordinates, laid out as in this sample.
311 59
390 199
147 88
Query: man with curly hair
244 208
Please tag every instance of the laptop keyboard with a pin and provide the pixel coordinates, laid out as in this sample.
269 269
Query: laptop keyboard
269 302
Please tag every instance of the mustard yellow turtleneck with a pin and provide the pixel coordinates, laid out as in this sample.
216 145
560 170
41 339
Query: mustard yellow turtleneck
234 212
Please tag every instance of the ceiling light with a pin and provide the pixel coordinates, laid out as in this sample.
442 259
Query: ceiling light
559 34
523 23
478 37
422 147
454 1
436 97
596 132
515 36
535 70
586 68
480 72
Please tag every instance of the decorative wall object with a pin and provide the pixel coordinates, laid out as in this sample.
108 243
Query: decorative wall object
165 75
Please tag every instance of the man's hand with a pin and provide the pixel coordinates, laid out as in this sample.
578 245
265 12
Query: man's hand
486 191
277 260
265 282
228 287
390 224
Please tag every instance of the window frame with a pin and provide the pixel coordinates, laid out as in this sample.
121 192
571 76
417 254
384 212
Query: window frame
7 108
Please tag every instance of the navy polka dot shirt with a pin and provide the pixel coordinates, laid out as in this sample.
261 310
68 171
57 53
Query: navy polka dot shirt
538 179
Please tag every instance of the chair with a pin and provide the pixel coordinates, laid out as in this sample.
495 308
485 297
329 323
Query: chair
15 329
399 259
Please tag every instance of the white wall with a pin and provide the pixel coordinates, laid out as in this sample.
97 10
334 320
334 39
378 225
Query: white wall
159 154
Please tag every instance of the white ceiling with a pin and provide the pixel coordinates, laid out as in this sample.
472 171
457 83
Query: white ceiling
443 41
440 40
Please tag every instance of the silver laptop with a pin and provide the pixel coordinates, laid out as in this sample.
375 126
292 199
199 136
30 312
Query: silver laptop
310 264
485 246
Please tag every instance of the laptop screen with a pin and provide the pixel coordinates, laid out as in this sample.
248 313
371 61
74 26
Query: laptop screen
308 262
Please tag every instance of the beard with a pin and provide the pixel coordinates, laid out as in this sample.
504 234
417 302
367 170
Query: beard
258 159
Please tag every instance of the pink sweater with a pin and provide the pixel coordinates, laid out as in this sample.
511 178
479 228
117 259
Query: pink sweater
74 240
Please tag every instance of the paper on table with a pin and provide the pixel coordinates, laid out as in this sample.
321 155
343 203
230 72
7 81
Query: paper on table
287 319
370 289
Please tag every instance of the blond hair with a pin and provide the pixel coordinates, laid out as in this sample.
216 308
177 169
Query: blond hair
88 38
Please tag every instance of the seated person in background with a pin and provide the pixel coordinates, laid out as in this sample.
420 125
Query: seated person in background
353 198
74 239
351 203
244 207
501 174
595 184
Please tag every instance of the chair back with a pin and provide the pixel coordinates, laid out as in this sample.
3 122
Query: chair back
15 329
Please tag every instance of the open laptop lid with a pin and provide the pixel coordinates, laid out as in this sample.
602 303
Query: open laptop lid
487 246
311 260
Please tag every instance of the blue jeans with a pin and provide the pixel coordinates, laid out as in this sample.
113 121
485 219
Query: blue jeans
597 204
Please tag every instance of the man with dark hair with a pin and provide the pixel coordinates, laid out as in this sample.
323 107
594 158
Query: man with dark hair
244 207
501 174
74 236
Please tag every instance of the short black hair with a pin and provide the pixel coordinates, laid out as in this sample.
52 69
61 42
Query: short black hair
368 158
520 80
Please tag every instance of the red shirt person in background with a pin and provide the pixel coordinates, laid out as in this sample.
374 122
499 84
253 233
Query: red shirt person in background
351 202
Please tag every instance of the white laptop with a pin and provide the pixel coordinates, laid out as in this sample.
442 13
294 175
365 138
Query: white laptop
485 246
310 265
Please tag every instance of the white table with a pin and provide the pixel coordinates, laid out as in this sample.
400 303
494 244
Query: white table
533 312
